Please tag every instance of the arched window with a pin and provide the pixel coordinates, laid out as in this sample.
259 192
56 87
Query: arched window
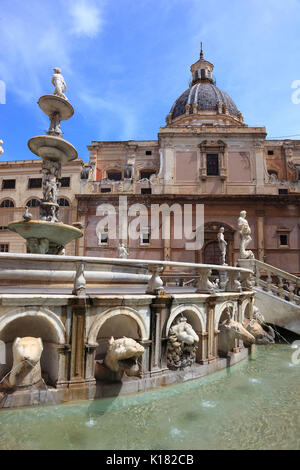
33 203
62 202
7 203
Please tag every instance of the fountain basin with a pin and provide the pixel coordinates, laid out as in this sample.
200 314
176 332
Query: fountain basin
53 148
51 104
56 233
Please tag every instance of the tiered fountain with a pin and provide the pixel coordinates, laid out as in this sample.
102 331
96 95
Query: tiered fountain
48 235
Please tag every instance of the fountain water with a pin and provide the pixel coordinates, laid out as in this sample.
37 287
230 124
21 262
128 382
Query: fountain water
48 235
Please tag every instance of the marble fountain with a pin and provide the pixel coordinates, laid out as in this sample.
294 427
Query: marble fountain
83 328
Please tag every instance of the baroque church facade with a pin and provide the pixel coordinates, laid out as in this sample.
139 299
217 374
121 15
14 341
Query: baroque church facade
205 154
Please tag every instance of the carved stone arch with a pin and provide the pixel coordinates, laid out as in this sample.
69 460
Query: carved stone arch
220 309
181 309
112 312
36 312
38 322
246 304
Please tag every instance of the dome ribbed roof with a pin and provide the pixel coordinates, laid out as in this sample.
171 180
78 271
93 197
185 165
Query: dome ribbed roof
207 97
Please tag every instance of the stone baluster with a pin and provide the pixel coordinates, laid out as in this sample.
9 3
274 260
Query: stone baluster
257 276
246 280
292 288
280 288
155 284
203 282
234 284
269 281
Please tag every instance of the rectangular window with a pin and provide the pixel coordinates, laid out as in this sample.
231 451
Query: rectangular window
4 248
3 228
146 191
65 182
8 184
114 176
148 152
105 190
283 240
270 152
145 237
34 183
104 238
283 191
212 164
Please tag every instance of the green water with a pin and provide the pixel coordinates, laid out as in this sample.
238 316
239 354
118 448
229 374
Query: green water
254 405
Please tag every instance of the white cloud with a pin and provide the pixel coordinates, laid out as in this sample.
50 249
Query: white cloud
37 36
86 18
122 121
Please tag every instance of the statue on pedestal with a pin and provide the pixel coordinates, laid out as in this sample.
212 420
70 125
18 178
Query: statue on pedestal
59 83
222 245
245 236
122 251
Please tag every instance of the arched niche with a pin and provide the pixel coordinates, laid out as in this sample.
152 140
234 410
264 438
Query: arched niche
38 323
224 343
116 322
195 318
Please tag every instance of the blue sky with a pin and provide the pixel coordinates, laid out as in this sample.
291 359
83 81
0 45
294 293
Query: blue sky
126 61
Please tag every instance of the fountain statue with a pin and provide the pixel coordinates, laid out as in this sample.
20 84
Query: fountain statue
229 331
182 345
222 246
26 370
48 235
121 358
122 251
263 333
245 236
1 148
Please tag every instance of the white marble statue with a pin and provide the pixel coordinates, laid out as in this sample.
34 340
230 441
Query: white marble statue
1 148
26 370
182 344
59 83
122 251
122 357
222 245
245 236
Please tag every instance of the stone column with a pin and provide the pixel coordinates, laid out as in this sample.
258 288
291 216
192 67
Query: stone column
160 311
63 351
146 357
260 234
203 346
212 347
90 354
77 372
259 166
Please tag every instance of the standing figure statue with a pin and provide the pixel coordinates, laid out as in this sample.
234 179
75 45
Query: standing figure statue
59 83
1 148
245 236
122 251
222 246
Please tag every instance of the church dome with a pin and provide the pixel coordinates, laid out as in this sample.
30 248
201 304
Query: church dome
207 96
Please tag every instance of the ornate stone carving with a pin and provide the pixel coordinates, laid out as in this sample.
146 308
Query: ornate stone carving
59 83
222 245
122 357
229 331
245 236
182 345
122 251
26 370
79 281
